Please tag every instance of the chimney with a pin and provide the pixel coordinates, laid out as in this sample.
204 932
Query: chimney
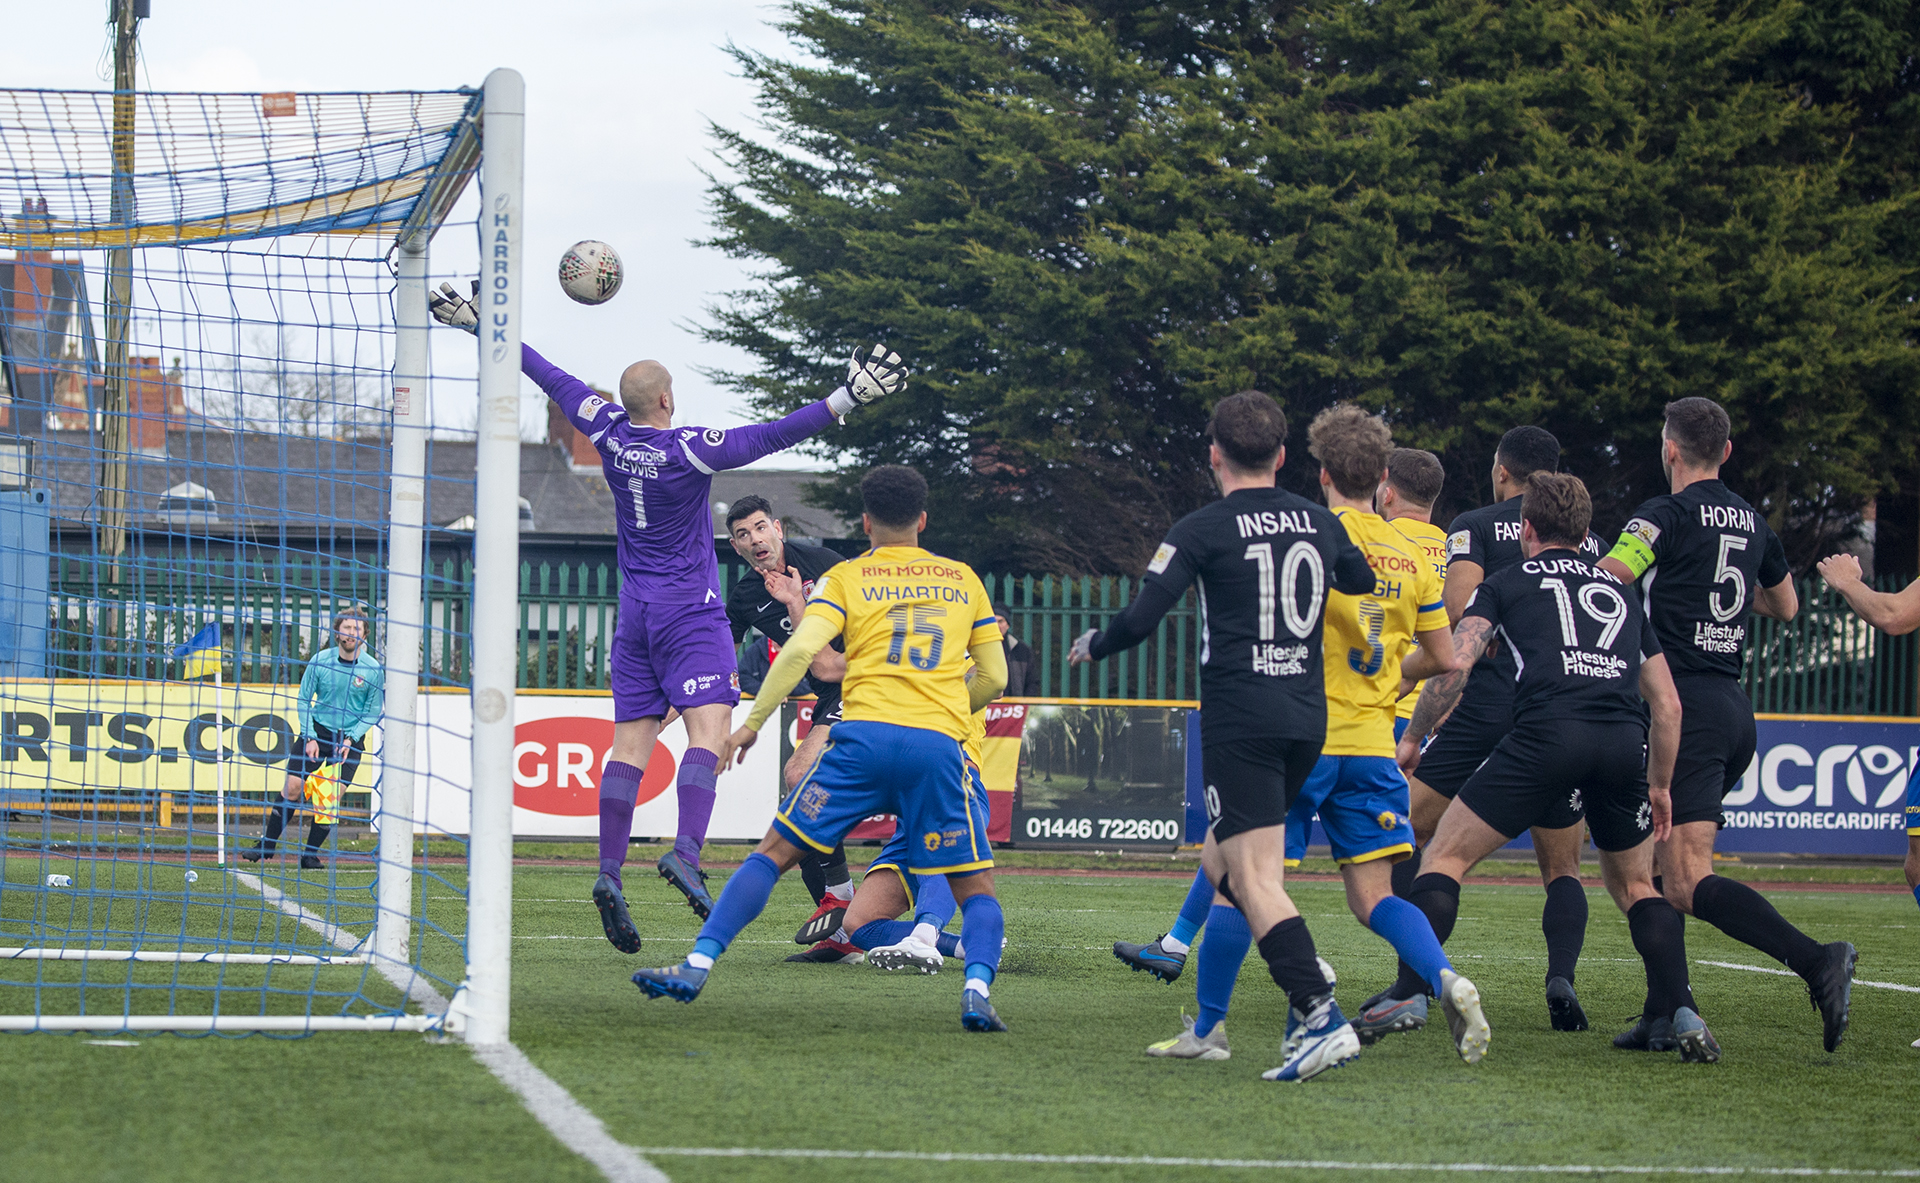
152 401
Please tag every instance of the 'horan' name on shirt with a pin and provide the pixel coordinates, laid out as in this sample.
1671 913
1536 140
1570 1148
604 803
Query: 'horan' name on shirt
1273 521
1727 517
1591 665
1718 638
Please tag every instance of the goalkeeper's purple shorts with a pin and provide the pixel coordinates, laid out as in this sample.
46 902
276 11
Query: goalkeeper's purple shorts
678 655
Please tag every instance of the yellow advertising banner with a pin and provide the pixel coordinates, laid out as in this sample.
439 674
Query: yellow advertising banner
78 738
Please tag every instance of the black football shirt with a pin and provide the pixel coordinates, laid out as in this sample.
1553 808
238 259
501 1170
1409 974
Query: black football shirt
751 608
1577 638
1490 536
1699 554
1264 560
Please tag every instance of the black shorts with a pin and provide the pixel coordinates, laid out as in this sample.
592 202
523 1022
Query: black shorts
1550 774
1478 724
1252 782
826 710
1717 741
303 766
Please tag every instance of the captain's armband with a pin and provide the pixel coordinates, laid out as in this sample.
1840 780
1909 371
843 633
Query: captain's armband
1634 551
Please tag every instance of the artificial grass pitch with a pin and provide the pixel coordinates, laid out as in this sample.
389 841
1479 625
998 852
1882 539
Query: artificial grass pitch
779 1056
849 1058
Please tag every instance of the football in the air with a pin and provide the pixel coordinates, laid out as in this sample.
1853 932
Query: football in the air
590 272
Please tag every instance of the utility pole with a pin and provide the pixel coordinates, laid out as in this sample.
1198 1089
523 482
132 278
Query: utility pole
113 466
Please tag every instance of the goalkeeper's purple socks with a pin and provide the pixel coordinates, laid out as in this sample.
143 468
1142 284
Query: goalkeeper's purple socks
619 785
698 770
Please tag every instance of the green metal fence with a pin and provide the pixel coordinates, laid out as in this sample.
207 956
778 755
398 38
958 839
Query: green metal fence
1825 661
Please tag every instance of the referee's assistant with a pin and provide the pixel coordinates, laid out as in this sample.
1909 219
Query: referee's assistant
342 694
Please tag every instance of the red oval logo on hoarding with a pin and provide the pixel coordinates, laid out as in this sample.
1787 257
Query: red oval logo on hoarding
557 764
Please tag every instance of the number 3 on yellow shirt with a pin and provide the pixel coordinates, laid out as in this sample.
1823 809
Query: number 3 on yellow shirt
923 623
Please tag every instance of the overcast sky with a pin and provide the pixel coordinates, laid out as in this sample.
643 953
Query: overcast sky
618 99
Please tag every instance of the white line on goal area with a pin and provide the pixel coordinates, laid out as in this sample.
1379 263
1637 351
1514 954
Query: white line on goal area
177 956
1274 1164
572 1124
1787 973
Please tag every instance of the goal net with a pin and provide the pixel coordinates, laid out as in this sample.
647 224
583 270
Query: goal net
226 465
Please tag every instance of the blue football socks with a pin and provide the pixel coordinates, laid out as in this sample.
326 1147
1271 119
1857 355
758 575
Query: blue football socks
1193 910
982 925
933 901
744 898
1405 927
880 933
1228 938
1916 895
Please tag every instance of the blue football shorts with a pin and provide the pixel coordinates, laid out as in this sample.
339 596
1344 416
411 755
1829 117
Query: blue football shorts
919 775
1362 803
893 856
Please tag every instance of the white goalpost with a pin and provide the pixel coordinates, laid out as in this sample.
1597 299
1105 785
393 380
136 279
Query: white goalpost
215 355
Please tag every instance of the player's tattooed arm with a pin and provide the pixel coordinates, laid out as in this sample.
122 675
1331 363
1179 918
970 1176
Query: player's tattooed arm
1440 693
1663 739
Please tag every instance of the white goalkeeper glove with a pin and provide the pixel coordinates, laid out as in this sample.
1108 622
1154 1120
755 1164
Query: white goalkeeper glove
880 373
1082 651
454 310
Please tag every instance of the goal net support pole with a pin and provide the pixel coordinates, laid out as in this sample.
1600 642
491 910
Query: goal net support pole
405 603
496 559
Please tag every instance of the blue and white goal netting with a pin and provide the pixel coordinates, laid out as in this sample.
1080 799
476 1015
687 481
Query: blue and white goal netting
197 408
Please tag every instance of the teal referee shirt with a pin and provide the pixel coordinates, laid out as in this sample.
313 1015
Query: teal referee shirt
344 697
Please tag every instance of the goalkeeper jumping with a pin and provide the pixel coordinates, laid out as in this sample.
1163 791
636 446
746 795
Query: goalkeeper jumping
342 695
672 643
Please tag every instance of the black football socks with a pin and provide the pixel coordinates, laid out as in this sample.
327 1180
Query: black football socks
1288 951
1745 915
1660 937
1438 897
1564 922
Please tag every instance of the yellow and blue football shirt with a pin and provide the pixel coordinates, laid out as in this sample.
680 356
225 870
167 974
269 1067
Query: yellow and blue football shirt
1433 543
909 617
1367 635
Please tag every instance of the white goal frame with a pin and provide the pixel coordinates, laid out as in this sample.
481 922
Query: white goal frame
478 1011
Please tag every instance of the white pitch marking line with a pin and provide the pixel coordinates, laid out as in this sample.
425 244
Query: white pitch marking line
1274 1164
571 1123
1787 973
414 986
566 1119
